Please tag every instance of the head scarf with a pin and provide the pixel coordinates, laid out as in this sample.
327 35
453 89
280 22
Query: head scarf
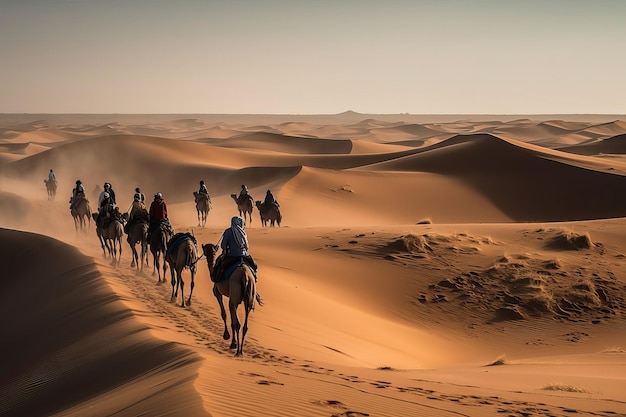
236 225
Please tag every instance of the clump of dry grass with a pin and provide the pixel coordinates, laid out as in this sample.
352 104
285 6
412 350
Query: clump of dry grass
409 243
500 360
540 298
563 387
584 292
614 349
553 264
425 221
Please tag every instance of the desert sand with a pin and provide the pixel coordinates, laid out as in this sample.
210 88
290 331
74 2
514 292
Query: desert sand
424 266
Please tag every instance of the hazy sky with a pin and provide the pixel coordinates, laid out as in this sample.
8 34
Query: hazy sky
310 57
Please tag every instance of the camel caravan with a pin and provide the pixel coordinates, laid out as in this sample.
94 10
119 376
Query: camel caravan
148 230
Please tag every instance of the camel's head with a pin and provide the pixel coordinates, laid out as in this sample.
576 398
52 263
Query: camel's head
234 196
258 204
209 250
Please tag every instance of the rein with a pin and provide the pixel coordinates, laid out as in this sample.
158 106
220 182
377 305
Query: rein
202 256
196 261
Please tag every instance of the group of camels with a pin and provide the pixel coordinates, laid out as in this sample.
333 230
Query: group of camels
270 214
239 288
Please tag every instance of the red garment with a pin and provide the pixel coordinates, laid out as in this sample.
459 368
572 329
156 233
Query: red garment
158 211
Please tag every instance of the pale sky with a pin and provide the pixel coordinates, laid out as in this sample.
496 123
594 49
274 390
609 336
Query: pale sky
313 57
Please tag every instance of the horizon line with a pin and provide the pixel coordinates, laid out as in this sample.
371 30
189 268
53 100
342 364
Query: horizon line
322 114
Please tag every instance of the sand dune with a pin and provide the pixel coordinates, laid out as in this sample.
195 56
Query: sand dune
286 144
78 344
613 145
526 185
426 265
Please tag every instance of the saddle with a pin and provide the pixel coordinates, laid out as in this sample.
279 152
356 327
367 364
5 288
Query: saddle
162 225
106 217
225 266
139 217
75 201
200 197
242 199
178 239
267 207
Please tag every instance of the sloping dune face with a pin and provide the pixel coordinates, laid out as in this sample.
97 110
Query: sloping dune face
526 183
69 345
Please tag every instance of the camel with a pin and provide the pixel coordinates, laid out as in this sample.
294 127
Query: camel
81 212
203 206
111 239
182 253
138 233
239 287
244 206
158 246
271 214
51 187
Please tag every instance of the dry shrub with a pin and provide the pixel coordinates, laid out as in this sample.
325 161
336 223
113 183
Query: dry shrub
500 360
534 292
563 387
409 243
553 264
539 301
529 280
566 240
503 259
584 292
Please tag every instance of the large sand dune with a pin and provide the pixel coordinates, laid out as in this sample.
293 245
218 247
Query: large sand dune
425 265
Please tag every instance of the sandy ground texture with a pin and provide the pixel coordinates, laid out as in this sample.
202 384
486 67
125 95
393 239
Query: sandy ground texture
423 266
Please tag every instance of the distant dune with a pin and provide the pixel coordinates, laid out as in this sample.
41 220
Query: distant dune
613 145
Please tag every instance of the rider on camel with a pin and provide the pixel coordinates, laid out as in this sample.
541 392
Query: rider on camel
138 212
141 196
137 206
107 190
51 177
202 191
234 244
77 192
105 210
243 194
158 215
269 199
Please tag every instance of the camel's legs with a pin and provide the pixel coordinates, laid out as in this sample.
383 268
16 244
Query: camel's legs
155 264
235 325
134 255
220 301
144 254
181 284
174 286
164 268
248 307
193 273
